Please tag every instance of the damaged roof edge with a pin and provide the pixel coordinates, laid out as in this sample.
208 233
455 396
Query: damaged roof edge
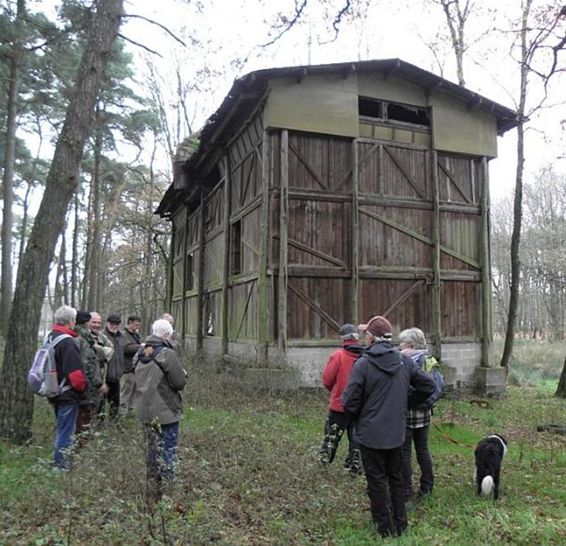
506 118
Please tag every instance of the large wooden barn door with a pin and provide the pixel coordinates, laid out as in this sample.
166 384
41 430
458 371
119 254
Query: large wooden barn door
396 249
315 237
418 239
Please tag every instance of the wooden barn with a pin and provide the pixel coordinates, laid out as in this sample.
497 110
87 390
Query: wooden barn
319 195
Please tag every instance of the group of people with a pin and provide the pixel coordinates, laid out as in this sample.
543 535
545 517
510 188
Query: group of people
99 367
377 392
378 395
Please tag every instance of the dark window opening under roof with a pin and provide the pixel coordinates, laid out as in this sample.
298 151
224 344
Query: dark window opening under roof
393 111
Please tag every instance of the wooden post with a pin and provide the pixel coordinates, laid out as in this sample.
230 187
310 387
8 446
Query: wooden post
184 279
170 267
226 265
436 299
283 249
355 231
200 278
486 265
262 288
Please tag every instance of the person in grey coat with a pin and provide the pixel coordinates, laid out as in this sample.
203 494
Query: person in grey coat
376 398
159 378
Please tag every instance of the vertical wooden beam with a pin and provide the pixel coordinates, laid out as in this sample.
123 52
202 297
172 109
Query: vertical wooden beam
436 299
283 248
170 266
486 267
262 288
226 264
355 231
200 276
184 279
380 168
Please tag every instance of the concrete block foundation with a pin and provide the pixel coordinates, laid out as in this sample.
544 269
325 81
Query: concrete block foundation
491 382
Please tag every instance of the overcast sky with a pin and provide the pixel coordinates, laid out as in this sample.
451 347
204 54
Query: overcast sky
230 29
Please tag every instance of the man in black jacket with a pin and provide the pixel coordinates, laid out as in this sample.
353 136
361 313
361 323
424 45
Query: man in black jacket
376 398
132 343
115 367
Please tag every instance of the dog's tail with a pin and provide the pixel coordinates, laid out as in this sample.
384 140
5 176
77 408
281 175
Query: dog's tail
486 485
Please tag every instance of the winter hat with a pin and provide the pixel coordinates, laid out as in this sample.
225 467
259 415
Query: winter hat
348 331
82 317
377 326
114 319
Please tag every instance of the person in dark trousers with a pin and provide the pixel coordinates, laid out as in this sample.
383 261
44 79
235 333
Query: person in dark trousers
115 366
132 343
376 398
96 388
412 343
335 378
103 349
70 374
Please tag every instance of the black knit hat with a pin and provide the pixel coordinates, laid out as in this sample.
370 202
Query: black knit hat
114 319
347 329
82 317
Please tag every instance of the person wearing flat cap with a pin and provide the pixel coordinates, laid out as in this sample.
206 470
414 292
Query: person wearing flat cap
115 367
376 398
96 388
335 378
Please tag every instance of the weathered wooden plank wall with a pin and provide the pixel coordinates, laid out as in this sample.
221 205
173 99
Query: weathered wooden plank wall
245 164
417 247
318 235
371 227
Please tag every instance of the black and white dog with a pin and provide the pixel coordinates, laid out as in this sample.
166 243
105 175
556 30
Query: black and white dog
489 454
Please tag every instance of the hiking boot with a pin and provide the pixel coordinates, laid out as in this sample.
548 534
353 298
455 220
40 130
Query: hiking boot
353 463
323 458
333 434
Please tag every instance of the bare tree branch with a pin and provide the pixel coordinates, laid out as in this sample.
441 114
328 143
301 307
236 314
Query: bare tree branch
162 27
288 24
140 45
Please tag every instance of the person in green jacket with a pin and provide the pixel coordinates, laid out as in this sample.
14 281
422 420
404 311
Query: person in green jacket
96 388
160 378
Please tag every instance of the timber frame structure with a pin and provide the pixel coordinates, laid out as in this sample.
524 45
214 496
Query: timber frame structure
320 195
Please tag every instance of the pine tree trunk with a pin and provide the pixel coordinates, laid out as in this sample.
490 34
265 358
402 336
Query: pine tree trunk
16 55
25 216
75 253
93 299
16 400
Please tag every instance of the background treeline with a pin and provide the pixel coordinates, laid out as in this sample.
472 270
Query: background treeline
542 302
112 254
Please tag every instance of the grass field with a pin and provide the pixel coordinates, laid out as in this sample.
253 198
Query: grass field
248 476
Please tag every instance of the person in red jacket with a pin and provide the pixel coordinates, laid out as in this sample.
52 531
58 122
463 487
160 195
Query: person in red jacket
335 378
70 374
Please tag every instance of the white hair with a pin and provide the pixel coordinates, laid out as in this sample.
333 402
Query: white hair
161 328
414 337
64 315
